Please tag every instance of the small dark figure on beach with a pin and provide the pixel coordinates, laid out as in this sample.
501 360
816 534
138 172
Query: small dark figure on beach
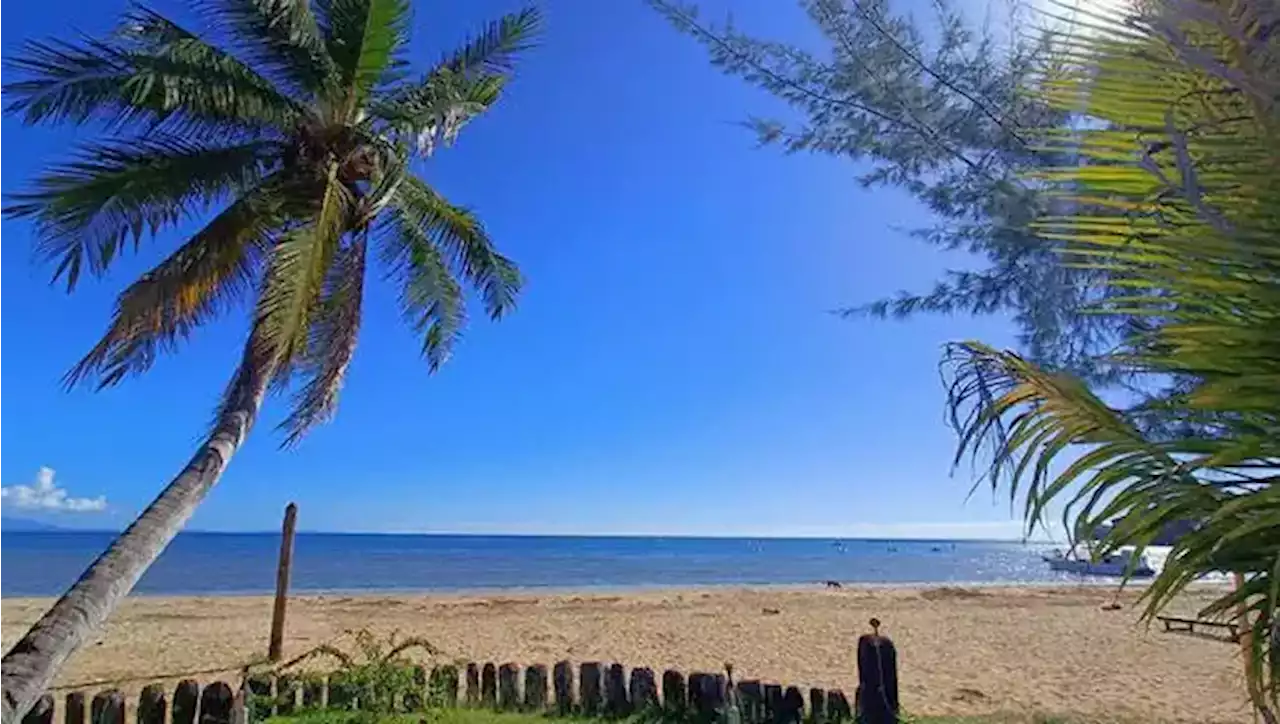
833 584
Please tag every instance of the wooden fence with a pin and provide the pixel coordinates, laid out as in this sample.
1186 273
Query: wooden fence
593 690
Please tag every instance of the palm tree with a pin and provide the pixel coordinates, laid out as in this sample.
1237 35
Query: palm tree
1182 101
293 124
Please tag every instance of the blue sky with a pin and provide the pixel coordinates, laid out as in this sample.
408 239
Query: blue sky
671 368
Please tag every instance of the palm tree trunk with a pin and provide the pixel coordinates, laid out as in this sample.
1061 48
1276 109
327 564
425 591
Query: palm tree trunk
31 665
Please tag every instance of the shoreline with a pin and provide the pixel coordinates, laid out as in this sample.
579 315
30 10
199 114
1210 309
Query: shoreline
962 650
610 589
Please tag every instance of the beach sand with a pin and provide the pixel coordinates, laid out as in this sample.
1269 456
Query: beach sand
961 650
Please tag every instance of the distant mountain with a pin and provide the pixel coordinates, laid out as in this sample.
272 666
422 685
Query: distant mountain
25 525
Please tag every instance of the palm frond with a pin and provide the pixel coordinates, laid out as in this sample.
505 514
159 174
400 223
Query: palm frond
432 301
362 37
331 345
86 211
280 37
494 49
294 284
431 113
154 73
200 280
463 243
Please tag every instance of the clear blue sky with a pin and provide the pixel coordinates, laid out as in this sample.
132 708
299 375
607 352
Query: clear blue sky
671 368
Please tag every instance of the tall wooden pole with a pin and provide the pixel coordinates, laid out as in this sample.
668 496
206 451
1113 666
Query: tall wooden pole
282 582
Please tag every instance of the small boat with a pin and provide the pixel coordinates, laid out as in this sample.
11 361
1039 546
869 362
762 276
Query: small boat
1113 564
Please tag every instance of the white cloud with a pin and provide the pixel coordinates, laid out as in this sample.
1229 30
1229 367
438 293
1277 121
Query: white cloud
46 496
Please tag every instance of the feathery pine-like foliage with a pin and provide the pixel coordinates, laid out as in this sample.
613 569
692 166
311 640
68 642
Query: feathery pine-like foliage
1179 126
942 112
291 125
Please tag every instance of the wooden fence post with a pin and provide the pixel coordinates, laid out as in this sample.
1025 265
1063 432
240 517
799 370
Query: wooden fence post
535 688
877 694
473 684
751 702
792 706
186 700
215 703
152 706
489 686
838 709
817 705
562 675
674 696
772 702
107 708
75 708
616 703
509 687
276 645
643 690
589 694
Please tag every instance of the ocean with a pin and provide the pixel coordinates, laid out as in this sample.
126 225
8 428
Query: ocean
45 563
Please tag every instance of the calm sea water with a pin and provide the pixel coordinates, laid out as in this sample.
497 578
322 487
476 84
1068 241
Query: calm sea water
40 564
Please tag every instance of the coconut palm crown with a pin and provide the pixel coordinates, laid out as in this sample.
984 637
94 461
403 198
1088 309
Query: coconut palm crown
290 127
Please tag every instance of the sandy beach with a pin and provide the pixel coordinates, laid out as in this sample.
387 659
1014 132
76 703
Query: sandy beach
961 650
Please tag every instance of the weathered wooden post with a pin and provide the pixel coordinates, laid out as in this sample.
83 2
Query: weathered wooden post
838 708
877 694
260 701
489 685
674 696
107 708
792 706
152 706
535 688
186 698
215 703
616 703
276 646
41 712
75 708
643 690
508 687
589 694
706 695
473 684
817 705
751 702
562 675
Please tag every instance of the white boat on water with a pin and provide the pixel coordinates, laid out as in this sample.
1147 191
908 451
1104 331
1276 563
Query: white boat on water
1114 564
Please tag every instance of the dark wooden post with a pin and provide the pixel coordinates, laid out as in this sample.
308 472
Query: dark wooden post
342 692
186 699
674 696
509 687
643 690
562 675
817 705
215 703
792 706
473 684
772 702
838 706
535 688
260 702
589 694
152 705
312 691
489 685
706 695
107 708
616 703
41 712
751 702
75 708
274 649
877 694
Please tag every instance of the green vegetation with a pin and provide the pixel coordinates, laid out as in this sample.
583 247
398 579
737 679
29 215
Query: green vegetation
292 127
484 716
